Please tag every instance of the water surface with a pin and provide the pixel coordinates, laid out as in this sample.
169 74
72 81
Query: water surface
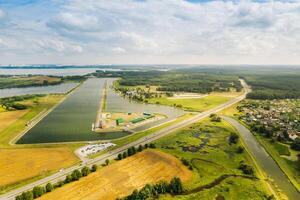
51 89
72 120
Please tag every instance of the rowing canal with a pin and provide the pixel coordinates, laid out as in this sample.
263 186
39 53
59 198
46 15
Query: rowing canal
72 119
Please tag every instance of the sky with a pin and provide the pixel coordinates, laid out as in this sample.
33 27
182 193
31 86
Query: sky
149 32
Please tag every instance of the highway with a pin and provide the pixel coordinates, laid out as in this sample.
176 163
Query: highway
113 153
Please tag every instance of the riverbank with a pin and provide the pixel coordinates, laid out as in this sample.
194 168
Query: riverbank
273 171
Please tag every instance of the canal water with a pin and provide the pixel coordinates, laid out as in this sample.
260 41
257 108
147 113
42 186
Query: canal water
265 161
72 119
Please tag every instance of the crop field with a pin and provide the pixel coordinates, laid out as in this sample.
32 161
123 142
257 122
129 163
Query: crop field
193 104
205 146
18 165
121 178
9 117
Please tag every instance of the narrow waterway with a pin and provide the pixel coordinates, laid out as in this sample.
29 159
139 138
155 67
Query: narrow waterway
265 161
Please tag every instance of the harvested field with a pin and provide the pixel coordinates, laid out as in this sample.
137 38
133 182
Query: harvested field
122 177
9 117
22 164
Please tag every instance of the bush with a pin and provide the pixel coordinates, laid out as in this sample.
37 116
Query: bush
240 150
49 187
296 145
140 148
246 169
76 175
94 168
233 138
106 162
38 191
85 171
152 146
120 157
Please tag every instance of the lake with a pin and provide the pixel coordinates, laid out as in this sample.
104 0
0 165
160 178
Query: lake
53 72
58 89
72 119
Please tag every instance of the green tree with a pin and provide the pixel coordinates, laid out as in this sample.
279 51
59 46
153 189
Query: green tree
106 162
94 168
49 187
129 152
68 179
27 195
124 154
120 157
38 191
85 171
175 186
140 148
76 175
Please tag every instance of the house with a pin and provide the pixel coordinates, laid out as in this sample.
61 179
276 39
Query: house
292 134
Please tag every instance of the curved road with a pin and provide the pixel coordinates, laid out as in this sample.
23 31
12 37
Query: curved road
113 154
265 161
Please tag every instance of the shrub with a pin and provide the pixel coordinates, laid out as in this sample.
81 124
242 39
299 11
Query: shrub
85 171
94 168
49 187
246 169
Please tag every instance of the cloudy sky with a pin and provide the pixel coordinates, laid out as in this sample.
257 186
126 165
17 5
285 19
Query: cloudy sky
149 32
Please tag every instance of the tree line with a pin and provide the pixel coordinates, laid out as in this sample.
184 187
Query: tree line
38 191
174 187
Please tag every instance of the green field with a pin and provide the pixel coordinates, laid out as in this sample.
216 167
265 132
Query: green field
194 104
205 146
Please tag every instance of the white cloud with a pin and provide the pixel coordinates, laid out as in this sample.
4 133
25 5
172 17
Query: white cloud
2 14
169 31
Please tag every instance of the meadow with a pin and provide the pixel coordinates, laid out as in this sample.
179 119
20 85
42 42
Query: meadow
206 149
121 178
193 104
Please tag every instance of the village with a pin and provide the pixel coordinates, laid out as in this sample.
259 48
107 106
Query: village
273 118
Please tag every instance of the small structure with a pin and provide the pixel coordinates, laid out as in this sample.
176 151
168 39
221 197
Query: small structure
93 148
119 121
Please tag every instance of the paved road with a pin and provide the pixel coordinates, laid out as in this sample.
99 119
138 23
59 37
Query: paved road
113 154
265 161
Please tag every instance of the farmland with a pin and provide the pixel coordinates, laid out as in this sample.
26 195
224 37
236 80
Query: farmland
121 178
206 149
20 164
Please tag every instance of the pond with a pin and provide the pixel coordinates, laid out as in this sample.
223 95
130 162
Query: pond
72 119
61 89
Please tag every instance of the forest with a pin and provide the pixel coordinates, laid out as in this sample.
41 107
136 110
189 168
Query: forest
268 82
176 81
